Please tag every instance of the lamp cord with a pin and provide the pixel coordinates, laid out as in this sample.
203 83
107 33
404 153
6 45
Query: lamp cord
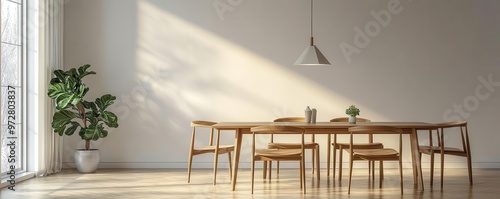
312 38
311 18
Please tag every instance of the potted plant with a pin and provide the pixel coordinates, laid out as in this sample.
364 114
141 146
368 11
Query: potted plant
352 111
75 114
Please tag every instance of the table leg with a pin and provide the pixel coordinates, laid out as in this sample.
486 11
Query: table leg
237 150
328 145
417 167
413 161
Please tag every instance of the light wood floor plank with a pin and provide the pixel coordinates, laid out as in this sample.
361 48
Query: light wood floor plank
172 183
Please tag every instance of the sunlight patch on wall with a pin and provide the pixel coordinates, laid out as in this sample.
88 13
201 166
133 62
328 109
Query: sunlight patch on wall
197 74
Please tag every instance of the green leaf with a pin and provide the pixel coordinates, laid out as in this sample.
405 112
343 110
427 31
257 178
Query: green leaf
55 80
63 102
85 91
75 100
105 101
71 85
103 133
82 133
71 130
90 105
55 90
62 118
81 90
59 130
61 75
94 132
73 73
82 71
109 118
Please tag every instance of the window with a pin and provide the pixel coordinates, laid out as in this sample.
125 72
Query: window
12 86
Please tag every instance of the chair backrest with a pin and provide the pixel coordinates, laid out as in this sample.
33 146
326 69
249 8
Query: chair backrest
377 130
452 124
203 124
346 119
270 129
288 119
464 133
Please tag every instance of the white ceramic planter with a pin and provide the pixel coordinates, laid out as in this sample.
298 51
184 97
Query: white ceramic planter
87 161
352 120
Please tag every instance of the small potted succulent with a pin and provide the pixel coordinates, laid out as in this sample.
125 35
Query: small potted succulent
352 111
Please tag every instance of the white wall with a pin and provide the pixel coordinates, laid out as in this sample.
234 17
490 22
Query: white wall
171 62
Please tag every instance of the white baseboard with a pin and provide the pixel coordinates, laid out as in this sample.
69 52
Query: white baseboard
246 165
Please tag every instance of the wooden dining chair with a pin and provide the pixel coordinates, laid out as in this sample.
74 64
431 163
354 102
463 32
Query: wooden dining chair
274 154
454 127
382 154
337 146
313 146
216 149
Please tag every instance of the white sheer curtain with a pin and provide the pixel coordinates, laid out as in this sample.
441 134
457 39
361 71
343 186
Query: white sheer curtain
50 145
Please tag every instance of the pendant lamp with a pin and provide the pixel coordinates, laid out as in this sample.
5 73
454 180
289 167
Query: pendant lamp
312 55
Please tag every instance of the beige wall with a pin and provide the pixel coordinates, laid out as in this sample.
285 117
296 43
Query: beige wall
170 62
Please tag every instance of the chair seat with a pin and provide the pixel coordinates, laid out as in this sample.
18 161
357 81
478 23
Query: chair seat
210 149
437 149
375 152
277 152
429 149
307 145
375 145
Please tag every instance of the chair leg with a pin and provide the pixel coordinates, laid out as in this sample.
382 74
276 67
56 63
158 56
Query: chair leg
301 177
371 169
380 171
189 167
216 159
432 168
230 165
334 161
328 155
340 163
253 172
442 169
401 175
270 169
469 165
264 169
277 168
317 163
350 176
313 155
303 174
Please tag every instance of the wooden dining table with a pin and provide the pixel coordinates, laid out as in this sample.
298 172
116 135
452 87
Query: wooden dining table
409 128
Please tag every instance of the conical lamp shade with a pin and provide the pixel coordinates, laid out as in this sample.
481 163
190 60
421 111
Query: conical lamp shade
312 56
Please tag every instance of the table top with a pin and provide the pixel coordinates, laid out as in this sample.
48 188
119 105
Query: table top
324 125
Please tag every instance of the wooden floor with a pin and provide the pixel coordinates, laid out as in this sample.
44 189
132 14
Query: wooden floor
172 183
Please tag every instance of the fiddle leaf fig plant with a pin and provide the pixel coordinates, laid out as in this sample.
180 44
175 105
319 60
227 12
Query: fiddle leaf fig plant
352 111
73 112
